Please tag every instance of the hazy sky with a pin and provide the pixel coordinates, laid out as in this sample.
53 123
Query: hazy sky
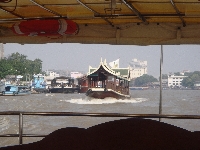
78 57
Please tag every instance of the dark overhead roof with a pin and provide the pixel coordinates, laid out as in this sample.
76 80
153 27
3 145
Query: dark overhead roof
140 22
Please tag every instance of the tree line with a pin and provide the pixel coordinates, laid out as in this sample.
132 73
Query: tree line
191 78
18 64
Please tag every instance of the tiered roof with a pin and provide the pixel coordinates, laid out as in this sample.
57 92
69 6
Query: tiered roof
121 73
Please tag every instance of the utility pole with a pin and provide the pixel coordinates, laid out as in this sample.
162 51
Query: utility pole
1 51
161 67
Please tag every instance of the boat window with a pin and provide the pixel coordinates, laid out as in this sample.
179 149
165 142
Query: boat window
110 78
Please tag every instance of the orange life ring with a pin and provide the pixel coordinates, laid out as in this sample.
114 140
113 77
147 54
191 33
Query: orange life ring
46 27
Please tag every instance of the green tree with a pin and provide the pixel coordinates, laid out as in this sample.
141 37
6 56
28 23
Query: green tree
177 73
17 63
144 79
164 76
5 68
190 80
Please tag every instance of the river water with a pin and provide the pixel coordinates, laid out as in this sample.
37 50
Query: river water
178 102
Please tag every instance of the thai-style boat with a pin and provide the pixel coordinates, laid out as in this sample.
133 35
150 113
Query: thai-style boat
108 82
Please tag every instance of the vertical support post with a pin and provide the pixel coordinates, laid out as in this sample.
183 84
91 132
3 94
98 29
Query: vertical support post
114 83
26 79
161 66
89 82
20 128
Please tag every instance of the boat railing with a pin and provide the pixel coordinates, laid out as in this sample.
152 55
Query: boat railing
111 85
117 88
113 115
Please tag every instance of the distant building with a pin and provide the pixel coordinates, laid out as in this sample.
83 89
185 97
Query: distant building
1 51
175 80
137 68
50 76
75 75
197 85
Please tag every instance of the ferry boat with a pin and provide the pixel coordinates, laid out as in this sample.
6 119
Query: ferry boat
108 82
63 85
39 85
10 89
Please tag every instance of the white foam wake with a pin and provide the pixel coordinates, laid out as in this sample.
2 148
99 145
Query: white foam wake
49 94
105 101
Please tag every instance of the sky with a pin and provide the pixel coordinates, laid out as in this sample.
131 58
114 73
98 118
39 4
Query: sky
78 57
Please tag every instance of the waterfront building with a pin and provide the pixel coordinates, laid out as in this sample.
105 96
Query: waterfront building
50 75
175 80
75 75
197 85
137 68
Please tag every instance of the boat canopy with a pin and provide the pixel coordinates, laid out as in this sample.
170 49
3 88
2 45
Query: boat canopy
117 22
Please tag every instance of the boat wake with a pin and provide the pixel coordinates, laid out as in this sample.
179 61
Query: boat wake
49 94
105 101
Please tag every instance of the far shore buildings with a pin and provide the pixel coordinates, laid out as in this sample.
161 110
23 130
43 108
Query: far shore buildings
137 68
175 80
50 75
75 75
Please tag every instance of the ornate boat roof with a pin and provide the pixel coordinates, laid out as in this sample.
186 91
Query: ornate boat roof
121 73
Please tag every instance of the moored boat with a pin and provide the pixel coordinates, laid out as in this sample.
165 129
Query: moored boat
10 90
23 90
108 82
39 85
15 90
63 85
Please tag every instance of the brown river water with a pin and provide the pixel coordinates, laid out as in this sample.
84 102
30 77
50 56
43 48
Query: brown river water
177 102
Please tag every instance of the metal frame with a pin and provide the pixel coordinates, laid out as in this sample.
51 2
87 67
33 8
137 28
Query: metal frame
133 9
161 68
95 12
13 13
106 17
51 11
21 114
178 12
